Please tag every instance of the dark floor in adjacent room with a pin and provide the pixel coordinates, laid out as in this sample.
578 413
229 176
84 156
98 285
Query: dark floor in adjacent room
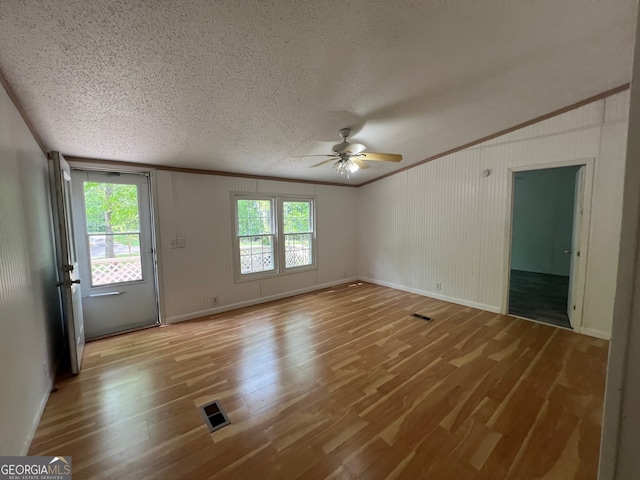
539 296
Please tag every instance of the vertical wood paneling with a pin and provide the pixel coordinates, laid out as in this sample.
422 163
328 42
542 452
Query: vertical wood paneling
286 188
30 324
336 233
587 116
494 204
382 208
198 208
200 212
443 222
431 224
606 214
617 107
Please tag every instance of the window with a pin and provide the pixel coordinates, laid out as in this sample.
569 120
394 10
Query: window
255 235
298 233
273 235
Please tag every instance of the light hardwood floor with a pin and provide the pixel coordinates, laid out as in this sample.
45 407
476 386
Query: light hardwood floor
341 383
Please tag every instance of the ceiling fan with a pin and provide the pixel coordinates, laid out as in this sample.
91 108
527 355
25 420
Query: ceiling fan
348 157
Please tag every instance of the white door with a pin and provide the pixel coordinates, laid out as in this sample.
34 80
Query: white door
115 248
67 260
578 216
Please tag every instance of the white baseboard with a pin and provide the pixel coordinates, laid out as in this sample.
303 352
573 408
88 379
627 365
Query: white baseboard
24 450
438 296
595 333
255 301
459 301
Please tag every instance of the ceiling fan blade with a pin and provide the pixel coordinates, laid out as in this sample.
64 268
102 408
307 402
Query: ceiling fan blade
306 156
384 157
323 162
354 148
359 162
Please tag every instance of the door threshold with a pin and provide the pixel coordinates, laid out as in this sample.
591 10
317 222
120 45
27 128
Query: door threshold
122 332
543 323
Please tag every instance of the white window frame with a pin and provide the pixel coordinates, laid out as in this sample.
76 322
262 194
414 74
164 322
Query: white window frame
277 219
236 237
281 238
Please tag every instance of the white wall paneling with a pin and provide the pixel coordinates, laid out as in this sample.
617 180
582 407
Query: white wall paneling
336 224
619 457
604 234
198 209
30 322
443 223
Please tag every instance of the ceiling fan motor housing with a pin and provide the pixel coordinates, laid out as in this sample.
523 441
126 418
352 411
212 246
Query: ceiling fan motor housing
340 147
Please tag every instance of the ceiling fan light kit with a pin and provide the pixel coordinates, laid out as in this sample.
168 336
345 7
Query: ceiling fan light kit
345 167
349 156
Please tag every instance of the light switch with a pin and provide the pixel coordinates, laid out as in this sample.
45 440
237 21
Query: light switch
181 242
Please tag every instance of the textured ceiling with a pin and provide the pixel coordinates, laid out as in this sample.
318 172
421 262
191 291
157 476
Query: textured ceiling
244 86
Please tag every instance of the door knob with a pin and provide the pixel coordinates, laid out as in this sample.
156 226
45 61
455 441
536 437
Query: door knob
568 251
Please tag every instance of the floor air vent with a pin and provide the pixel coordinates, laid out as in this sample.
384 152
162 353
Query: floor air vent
422 317
214 416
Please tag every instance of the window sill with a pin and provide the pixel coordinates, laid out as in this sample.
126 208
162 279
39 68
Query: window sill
265 275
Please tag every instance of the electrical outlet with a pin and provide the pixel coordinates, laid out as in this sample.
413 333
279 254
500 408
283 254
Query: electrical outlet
214 301
438 286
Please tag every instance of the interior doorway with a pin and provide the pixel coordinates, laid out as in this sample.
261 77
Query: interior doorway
116 252
546 230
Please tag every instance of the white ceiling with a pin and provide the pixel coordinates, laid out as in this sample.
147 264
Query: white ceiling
243 86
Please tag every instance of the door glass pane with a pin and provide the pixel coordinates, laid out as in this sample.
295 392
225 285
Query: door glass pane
113 232
66 187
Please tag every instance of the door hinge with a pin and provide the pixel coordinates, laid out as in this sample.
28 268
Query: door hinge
574 307
578 253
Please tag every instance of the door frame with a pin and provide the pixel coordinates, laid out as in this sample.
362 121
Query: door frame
90 166
589 164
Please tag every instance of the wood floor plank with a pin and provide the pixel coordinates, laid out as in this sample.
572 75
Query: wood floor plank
342 383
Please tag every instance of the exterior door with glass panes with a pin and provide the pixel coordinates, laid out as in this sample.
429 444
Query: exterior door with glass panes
115 251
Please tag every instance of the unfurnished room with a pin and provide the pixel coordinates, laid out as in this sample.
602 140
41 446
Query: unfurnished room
319 240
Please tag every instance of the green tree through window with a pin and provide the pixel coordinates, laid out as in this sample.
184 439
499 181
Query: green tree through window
112 208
